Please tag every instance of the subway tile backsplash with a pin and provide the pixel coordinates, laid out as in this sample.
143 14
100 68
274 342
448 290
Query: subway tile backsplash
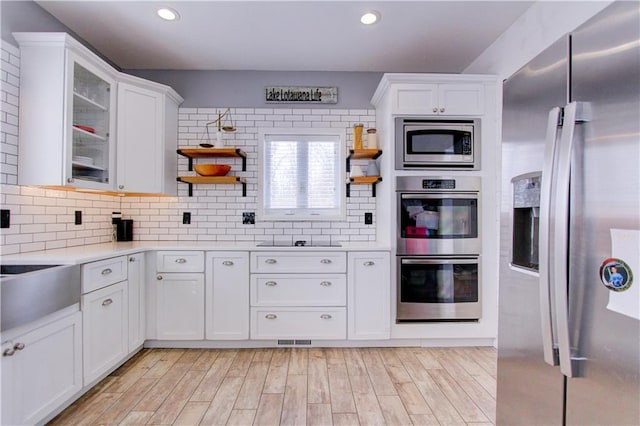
44 218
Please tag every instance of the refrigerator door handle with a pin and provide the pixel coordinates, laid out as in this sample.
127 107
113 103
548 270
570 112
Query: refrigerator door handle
549 348
574 112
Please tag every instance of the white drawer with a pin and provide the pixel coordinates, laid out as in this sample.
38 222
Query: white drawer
318 262
180 261
298 323
102 273
299 290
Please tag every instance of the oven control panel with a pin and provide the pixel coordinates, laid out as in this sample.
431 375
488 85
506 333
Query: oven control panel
438 184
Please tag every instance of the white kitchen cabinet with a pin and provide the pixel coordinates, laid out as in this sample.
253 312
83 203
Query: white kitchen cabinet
147 136
136 300
180 261
369 295
227 295
41 368
447 99
73 143
105 329
180 306
298 295
101 273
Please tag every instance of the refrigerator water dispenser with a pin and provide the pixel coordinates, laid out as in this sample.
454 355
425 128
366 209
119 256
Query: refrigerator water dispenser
526 220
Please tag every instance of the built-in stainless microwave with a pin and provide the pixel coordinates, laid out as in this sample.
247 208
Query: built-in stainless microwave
437 144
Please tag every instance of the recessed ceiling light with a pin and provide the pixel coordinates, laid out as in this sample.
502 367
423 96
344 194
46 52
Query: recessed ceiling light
370 17
168 14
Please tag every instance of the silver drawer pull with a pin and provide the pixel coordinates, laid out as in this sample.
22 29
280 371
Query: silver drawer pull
18 346
107 302
270 261
227 263
326 316
181 260
369 263
106 271
325 261
159 277
325 283
271 316
8 352
271 283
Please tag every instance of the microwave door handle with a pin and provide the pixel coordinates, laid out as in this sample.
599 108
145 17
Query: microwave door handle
547 185
574 112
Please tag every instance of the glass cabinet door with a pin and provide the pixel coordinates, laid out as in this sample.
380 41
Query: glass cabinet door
91 143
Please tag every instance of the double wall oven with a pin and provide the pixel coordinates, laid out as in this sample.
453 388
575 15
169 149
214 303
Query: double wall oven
438 248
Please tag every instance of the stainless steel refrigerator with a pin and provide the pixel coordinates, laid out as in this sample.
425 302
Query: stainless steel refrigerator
569 336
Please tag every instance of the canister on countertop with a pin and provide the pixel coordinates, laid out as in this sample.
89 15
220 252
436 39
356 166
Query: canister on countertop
372 139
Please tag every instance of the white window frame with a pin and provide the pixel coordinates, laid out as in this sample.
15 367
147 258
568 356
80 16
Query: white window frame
302 214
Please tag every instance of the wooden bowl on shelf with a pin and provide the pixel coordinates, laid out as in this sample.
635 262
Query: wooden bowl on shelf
212 169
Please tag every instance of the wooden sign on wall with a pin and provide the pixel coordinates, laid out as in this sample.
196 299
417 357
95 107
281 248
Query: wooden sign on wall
301 94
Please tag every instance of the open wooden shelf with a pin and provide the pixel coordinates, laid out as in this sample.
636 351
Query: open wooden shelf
364 180
230 152
191 180
362 154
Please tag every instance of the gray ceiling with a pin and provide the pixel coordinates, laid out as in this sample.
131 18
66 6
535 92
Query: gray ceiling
414 36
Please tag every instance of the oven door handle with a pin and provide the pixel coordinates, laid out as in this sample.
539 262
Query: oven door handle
437 195
432 260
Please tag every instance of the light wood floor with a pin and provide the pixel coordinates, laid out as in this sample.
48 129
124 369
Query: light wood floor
372 386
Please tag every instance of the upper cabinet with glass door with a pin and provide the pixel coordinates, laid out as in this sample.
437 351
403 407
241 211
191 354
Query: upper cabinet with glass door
92 147
67 114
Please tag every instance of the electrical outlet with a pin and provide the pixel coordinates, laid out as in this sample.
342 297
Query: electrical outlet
248 218
78 217
186 218
5 218
368 218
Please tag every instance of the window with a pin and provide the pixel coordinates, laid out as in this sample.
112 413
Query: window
301 174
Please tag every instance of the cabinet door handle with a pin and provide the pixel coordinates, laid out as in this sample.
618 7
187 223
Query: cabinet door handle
325 261
159 277
441 109
18 346
120 186
369 263
326 316
435 110
271 283
270 261
69 180
181 260
325 283
132 259
227 263
8 352
106 271
107 302
271 316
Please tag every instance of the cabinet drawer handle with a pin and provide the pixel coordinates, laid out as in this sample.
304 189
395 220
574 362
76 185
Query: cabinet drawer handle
326 316
8 352
120 186
132 259
271 283
106 271
107 302
159 277
270 261
181 260
435 110
325 283
325 261
441 109
271 316
369 263
18 346
227 263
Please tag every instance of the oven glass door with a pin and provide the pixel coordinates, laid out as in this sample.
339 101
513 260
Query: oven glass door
438 216
438 288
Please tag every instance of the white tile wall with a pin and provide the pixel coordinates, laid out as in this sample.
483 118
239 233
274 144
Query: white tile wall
9 96
44 218
216 210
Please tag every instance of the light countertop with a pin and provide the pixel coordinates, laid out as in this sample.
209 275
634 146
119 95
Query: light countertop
93 252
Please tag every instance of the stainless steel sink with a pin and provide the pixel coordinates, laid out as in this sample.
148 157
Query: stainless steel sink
30 292
301 243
